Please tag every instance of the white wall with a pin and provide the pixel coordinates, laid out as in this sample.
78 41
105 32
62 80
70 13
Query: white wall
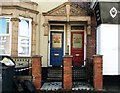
107 45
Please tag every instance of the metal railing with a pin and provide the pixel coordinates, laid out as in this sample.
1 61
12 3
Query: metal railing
89 67
23 63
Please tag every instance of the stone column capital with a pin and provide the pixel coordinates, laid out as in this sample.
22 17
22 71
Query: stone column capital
34 23
15 19
46 28
46 24
89 27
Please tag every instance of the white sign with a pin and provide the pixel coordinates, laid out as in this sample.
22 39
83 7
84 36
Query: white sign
113 12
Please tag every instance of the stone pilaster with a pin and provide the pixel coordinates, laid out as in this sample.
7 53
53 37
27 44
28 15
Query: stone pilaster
46 29
15 27
97 72
34 28
67 72
68 12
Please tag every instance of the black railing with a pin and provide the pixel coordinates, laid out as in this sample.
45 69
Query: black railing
89 67
23 67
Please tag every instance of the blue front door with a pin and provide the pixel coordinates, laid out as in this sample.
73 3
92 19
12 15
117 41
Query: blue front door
56 48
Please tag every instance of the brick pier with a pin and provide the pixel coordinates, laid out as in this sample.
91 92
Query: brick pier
97 70
67 72
36 71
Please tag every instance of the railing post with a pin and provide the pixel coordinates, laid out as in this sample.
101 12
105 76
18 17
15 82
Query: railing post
97 72
36 71
67 72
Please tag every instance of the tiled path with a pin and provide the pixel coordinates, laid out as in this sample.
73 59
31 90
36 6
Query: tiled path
77 87
52 86
58 86
81 86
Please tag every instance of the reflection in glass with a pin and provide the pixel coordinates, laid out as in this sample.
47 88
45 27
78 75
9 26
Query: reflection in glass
56 40
24 38
4 36
77 41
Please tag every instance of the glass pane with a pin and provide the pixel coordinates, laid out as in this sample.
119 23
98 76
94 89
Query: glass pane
3 26
4 45
23 46
56 40
56 27
78 27
24 37
77 41
24 28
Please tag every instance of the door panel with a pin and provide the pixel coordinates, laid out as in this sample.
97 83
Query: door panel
77 48
56 48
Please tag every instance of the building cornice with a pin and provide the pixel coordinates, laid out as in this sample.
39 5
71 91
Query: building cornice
19 8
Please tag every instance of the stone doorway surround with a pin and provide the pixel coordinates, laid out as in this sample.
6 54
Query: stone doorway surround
67 12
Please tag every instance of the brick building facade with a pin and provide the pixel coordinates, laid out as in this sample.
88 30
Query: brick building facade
52 31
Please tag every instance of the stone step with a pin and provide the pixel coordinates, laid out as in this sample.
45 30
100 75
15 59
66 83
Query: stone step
79 73
55 74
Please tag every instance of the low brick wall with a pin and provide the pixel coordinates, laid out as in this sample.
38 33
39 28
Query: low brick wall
97 72
36 71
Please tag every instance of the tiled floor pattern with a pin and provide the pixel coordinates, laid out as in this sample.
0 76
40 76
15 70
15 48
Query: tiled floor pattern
52 86
81 86
58 86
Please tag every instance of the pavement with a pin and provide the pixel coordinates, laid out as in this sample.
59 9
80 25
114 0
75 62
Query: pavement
79 91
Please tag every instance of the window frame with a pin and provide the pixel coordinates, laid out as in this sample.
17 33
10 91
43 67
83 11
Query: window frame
8 35
77 25
30 35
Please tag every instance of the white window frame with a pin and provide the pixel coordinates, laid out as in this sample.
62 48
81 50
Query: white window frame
30 31
9 34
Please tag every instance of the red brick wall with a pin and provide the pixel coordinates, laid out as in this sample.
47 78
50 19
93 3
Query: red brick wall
67 72
36 71
91 39
97 69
